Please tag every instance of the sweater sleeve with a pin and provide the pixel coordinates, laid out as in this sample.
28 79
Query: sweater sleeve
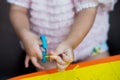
22 3
106 5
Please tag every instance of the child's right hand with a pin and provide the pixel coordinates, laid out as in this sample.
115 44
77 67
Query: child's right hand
31 43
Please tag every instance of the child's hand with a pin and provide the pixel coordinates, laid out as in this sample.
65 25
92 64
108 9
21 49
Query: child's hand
63 56
32 44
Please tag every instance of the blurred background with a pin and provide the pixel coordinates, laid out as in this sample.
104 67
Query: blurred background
12 57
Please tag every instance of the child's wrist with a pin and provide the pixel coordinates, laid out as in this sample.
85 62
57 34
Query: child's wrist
71 43
68 43
25 35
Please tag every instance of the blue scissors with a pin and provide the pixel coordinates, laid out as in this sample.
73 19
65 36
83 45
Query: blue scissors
44 46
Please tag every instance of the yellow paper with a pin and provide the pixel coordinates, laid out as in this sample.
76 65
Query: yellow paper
104 71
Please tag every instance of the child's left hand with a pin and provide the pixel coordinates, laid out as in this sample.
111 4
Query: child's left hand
63 56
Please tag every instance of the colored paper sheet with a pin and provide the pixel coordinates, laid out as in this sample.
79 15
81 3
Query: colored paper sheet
103 69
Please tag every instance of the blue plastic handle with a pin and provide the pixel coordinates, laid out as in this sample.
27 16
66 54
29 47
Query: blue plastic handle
44 46
44 59
44 41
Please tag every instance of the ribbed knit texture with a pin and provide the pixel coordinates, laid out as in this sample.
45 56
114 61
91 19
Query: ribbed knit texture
54 18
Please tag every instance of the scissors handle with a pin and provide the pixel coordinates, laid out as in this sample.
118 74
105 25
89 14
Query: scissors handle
44 59
44 41
44 46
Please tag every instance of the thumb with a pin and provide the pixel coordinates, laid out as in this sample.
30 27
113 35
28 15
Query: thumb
38 52
53 55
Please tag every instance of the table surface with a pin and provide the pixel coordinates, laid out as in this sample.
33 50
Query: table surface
100 69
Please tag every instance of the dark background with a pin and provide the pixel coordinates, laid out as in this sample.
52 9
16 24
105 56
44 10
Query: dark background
11 55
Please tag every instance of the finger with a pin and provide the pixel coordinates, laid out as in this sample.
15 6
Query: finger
35 63
40 42
32 53
62 67
58 59
66 58
56 53
51 53
27 59
38 52
69 54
